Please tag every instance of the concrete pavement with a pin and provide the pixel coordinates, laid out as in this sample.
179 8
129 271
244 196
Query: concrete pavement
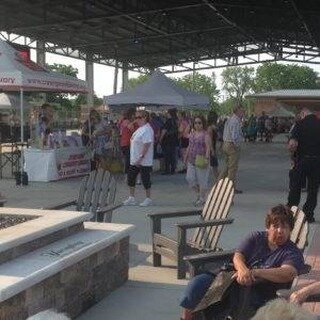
154 293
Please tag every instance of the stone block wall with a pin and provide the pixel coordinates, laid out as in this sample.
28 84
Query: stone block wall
76 288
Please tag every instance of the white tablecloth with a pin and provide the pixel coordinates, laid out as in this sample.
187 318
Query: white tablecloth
56 164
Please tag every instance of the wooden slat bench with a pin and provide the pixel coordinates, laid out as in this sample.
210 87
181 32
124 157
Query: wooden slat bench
312 258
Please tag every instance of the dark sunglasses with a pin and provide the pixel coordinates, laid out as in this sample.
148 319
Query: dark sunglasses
138 117
197 122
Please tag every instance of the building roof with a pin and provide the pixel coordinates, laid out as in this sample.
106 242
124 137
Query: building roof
310 94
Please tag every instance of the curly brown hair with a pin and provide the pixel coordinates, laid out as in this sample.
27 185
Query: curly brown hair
280 214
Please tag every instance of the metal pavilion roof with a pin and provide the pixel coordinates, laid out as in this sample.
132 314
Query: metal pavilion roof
153 33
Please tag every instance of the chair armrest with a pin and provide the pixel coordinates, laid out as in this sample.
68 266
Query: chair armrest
173 214
199 263
61 205
210 256
109 208
209 223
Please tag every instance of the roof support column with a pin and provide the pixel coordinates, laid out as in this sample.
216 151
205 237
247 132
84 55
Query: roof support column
125 77
89 79
41 53
41 60
115 79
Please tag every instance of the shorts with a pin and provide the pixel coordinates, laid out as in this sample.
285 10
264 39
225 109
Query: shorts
197 176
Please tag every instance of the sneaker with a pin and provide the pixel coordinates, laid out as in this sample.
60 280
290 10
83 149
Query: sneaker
131 201
146 202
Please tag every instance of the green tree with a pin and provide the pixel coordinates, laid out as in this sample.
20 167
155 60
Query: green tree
133 82
203 84
82 99
67 70
273 76
237 82
62 98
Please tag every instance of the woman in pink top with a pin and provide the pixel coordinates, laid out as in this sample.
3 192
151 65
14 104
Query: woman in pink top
126 130
199 145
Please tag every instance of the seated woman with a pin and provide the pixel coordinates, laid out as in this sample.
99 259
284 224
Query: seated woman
263 255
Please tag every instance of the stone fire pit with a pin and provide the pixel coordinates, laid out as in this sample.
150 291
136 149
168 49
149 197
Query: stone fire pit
55 259
7 221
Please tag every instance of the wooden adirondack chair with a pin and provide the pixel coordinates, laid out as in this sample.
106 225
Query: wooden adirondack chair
199 262
207 231
299 236
97 195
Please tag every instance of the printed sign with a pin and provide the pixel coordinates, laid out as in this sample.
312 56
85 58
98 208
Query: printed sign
73 162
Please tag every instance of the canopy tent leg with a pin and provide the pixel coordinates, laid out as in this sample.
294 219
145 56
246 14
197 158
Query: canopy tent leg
21 134
89 79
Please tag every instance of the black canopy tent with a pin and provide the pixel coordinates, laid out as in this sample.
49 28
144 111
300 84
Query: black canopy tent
159 90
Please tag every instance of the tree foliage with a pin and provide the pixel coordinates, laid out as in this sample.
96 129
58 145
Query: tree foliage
133 82
203 84
67 70
273 76
237 82
69 103
62 98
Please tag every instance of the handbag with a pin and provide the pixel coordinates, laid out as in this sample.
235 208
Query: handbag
201 161
217 290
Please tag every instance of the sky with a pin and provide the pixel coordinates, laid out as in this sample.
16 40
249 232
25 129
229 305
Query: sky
104 75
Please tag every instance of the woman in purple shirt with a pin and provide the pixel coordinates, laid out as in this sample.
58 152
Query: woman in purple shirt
199 147
264 255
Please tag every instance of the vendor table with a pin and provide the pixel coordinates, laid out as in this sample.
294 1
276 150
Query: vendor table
56 164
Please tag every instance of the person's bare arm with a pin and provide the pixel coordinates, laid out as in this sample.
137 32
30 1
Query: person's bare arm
302 294
185 159
283 274
209 134
163 132
208 146
292 145
243 274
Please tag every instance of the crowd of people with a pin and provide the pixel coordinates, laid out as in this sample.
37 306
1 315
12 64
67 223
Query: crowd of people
172 138
264 127
181 142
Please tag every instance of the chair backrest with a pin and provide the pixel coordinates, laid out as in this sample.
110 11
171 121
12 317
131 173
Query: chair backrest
217 206
299 234
96 191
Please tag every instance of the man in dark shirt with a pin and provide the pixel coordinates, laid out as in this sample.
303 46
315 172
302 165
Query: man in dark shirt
305 141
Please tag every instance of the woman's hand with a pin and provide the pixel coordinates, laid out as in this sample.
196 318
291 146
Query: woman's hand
299 296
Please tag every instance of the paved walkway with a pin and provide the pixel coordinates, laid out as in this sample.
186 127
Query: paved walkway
154 293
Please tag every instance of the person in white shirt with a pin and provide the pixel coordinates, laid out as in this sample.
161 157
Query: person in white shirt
232 138
141 158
